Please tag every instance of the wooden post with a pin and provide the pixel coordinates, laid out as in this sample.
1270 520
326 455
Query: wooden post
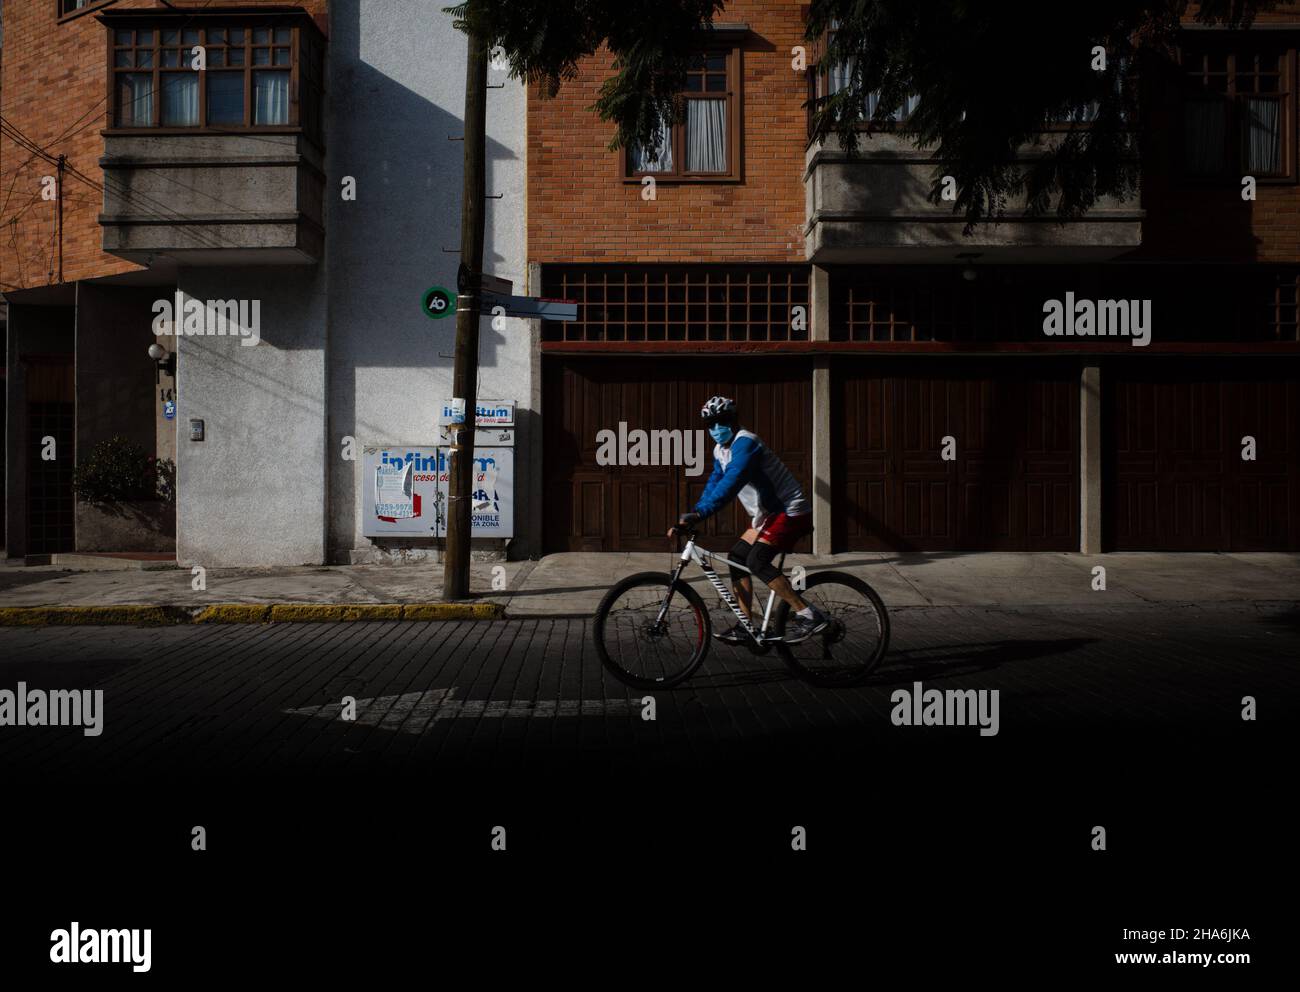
473 215
62 161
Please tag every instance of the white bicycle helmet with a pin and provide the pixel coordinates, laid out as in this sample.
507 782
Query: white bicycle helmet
718 407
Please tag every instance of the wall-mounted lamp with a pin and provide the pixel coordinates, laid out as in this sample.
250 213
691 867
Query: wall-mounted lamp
969 273
164 361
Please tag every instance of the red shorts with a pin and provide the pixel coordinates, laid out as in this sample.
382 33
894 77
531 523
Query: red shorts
784 532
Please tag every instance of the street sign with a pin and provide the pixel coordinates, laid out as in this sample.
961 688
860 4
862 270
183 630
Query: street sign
438 303
496 285
531 307
488 283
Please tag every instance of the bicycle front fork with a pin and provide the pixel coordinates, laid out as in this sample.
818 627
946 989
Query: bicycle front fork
672 587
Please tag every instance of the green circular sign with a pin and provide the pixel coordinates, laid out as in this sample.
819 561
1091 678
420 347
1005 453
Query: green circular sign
438 303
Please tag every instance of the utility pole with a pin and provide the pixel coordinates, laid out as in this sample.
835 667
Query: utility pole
473 210
59 193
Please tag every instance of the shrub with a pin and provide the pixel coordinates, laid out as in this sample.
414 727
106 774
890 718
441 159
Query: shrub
120 471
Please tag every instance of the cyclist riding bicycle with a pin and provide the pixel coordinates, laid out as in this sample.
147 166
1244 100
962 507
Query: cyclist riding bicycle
746 468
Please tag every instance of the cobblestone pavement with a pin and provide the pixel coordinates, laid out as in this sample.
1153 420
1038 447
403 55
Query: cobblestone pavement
974 847
530 694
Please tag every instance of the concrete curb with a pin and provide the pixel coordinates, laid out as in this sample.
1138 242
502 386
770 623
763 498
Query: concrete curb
51 616
154 616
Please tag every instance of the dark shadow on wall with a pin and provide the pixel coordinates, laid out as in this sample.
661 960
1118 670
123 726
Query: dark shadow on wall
39 402
1190 218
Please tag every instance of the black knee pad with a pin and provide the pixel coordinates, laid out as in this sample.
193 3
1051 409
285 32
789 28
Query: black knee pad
740 555
760 561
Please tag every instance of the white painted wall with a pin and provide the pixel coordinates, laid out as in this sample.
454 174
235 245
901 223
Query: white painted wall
397 86
346 349
251 493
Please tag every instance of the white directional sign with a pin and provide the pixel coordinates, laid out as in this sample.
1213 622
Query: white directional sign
532 307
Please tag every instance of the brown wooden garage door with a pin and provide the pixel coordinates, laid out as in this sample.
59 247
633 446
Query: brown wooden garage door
1013 485
592 507
1174 474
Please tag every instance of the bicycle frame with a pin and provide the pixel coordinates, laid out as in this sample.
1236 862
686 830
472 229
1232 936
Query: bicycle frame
703 557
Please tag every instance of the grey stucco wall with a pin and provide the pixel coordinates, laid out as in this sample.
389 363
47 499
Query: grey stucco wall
253 492
396 97
878 203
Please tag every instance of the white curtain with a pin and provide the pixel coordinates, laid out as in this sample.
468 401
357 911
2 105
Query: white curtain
136 94
1082 114
1264 135
840 76
899 113
180 99
663 159
270 98
706 135
1206 125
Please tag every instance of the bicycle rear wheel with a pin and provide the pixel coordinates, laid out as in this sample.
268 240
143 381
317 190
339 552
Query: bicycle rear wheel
641 649
856 640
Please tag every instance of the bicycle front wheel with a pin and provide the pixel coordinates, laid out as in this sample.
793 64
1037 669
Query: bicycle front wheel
855 642
645 637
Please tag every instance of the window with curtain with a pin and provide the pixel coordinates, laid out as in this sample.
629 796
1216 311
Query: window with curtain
699 147
75 6
840 77
657 157
1236 109
134 99
247 79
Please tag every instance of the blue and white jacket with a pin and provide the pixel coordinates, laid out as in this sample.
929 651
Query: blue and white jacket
747 468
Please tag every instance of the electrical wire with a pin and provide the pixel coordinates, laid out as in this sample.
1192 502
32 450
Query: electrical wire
15 134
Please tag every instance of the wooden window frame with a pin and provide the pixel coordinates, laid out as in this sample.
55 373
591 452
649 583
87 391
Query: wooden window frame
1231 48
669 304
927 306
248 22
734 103
63 16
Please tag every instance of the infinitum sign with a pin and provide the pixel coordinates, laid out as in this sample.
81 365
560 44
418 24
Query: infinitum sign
404 488
488 413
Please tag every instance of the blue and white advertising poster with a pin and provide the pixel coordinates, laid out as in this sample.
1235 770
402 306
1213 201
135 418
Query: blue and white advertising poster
492 493
393 474
399 490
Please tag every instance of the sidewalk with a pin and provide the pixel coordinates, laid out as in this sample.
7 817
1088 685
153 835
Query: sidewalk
571 585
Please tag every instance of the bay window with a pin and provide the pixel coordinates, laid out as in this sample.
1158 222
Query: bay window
229 73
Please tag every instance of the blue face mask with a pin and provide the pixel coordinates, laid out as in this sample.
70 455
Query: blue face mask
721 433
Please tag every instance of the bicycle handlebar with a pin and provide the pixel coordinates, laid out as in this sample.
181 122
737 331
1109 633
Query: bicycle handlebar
679 531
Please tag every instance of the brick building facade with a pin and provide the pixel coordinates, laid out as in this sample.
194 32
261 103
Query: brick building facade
855 323
55 94
302 172
916 334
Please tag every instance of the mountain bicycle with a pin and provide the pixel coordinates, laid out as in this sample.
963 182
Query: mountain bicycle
652 630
